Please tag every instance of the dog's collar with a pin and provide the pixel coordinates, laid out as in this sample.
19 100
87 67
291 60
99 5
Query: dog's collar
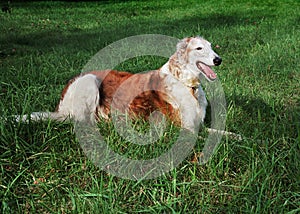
194 84
193 90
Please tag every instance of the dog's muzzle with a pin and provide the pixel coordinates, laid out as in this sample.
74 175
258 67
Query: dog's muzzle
217 61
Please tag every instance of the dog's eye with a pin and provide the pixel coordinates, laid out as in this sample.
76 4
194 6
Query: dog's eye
199 48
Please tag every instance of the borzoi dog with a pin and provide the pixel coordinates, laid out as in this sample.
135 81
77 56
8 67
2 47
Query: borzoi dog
90 95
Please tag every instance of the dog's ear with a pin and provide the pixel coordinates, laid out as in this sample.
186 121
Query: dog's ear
182 44
182 48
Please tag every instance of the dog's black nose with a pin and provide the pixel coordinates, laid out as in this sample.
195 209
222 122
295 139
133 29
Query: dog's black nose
217 61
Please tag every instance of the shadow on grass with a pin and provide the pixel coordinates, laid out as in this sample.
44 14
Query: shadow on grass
44 40
263 119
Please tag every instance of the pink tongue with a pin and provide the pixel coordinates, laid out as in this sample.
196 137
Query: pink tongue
208 71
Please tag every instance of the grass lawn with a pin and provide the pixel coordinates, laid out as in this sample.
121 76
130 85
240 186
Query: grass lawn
43 168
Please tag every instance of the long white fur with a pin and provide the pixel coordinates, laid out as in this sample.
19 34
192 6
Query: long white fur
191 112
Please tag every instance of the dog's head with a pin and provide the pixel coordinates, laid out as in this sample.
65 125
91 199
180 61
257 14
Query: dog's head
198 56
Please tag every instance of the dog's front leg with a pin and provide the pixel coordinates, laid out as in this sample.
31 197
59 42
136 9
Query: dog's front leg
200 95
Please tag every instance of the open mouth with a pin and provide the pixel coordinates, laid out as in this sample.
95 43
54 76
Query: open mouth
206 71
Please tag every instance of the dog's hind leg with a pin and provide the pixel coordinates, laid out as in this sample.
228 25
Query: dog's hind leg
81 99
79 103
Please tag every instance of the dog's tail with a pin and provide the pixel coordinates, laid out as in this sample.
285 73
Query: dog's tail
79 103
40 116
